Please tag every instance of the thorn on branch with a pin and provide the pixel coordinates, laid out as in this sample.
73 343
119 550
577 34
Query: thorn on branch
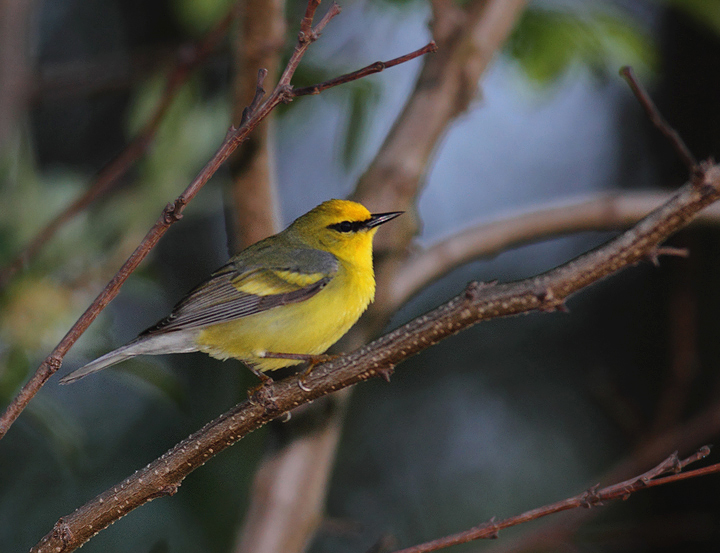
232 129
250 110
667 250
386 372
549 302
472 290
495 531
169 489
591 498
661 123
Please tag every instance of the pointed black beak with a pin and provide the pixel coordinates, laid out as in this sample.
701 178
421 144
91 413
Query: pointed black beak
377 219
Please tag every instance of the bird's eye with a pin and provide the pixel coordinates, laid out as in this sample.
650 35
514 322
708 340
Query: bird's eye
345 226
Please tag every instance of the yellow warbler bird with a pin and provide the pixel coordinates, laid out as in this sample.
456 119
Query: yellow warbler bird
277 303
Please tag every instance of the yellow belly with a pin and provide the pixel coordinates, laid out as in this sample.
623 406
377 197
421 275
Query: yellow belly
309 327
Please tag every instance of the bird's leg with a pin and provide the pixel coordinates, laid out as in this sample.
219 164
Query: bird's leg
311 360
265 380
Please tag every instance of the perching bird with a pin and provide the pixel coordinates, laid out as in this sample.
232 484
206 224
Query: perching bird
279 302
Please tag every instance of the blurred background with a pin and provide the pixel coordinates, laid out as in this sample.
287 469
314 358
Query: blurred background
504 417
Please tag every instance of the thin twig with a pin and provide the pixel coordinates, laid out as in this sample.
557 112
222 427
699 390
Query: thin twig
109 176
546 292
376 67
259 94
590 498
659 121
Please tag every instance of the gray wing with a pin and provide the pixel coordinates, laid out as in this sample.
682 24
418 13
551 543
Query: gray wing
243 287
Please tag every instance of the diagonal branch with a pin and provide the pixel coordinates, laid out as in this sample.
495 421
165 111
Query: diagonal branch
171 214
657 119
371 69
546 292
590 498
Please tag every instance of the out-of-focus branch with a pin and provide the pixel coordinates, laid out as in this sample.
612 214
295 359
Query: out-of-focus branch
109 176
14 71
590 498
546 292
683 437
467 40
253 206
607 211
288 495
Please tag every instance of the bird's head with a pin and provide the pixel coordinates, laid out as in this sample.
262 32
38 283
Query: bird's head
341 227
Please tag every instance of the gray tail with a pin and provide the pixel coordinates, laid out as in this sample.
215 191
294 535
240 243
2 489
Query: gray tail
171 342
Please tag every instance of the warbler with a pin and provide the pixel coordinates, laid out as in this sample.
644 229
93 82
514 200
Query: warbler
281 301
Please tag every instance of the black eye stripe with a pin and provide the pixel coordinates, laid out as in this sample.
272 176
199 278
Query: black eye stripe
349 226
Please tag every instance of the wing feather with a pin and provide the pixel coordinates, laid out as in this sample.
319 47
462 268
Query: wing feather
242 288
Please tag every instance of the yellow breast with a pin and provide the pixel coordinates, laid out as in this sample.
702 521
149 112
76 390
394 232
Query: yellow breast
309 327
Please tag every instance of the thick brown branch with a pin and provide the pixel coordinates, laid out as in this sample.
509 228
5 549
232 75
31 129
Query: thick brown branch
545 292
590 498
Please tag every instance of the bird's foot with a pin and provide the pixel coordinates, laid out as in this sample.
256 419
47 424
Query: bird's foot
262 393
311 361
316 360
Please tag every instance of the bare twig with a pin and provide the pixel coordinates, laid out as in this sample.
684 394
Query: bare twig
172 213
371 69
590 498
545 292
659 121
109 176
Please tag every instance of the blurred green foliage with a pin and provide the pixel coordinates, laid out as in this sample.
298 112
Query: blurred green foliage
549 42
